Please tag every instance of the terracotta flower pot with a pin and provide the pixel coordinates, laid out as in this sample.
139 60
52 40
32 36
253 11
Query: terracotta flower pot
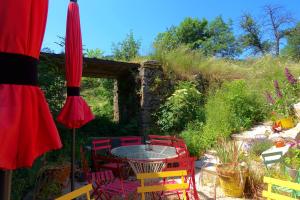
279 143
61 173
232 180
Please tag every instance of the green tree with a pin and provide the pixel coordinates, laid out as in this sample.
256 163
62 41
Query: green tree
252 39
292 49
167 41
192 31
221 41
127 49
94 53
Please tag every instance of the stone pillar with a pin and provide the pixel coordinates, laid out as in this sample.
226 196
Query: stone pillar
150 73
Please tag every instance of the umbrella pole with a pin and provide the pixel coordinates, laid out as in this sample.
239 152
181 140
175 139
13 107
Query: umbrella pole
5 184
73 160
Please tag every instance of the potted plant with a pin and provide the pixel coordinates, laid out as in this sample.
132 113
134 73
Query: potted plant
257 168
282 103
292 162
231 170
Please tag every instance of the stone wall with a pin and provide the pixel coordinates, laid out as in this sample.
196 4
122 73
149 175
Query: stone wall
150 73
137 95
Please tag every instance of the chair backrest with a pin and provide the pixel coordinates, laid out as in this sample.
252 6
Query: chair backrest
160 186
187 163
269 194
165 140
101 144
85 190
181 148
269 161
100 177
131 140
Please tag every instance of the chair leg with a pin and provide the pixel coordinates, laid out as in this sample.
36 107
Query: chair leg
194 188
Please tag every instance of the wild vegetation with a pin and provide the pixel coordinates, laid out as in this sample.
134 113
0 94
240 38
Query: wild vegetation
237 72
220 82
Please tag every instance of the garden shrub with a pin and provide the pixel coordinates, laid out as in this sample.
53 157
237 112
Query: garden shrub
194 138
183 106
232 108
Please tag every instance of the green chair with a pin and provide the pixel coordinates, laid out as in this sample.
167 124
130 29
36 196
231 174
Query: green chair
268 162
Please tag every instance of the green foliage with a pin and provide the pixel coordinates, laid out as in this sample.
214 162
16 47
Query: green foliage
128 49
196 141
232 108
183 106
252 37
260 146
215 38
292 158
99 95
192 31
167 40
229 152
221 41
94 53
51 81
292 49
286 93
50 191
23 180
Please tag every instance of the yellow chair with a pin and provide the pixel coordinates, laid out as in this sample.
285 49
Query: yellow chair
162 187
77 193
286 184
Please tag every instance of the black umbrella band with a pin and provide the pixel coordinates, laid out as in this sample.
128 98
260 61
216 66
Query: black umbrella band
73 91
18 69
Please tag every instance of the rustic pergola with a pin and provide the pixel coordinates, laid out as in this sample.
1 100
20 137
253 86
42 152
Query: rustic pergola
133 96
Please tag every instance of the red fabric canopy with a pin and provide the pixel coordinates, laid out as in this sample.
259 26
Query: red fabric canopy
75 112
27 129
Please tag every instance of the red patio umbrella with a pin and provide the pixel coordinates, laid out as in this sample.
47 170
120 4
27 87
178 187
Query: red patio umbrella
27 129
75 112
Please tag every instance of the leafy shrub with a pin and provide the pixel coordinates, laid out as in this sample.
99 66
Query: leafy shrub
183 106
52 82
192 136
260 146
99 95
232 108
292 158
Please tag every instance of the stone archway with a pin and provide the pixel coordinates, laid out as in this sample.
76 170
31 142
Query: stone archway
133 93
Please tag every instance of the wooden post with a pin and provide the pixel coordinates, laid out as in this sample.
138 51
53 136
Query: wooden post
5 184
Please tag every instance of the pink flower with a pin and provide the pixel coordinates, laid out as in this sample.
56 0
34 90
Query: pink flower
277 89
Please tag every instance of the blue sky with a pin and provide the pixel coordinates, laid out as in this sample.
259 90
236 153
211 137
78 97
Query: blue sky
104 22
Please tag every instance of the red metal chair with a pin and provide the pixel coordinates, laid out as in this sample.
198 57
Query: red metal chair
188 164
102 159
131 140
165 140
107 186
181 148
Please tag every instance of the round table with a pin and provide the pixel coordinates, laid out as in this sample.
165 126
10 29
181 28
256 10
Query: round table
144 160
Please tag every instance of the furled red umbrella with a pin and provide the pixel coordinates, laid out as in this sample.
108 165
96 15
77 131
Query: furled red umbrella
27 129
75 112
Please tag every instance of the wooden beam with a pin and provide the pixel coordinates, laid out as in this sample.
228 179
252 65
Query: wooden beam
93 67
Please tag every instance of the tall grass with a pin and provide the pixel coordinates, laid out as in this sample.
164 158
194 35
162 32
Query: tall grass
258 72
